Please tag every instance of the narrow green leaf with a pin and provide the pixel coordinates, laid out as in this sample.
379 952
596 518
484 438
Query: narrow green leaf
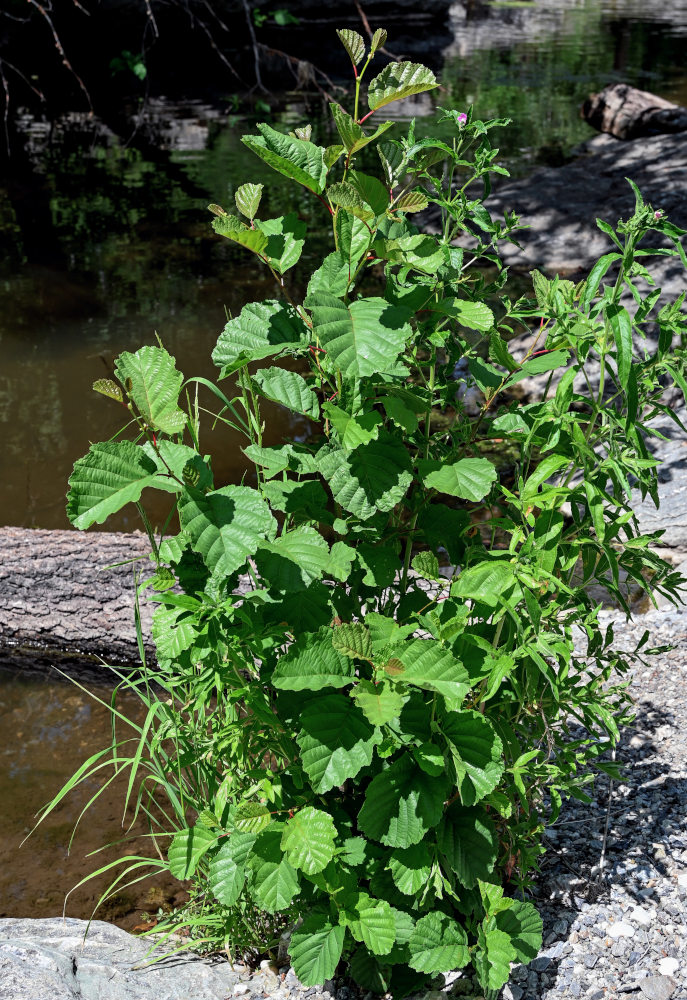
621 325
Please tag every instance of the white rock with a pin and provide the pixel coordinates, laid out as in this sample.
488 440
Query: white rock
240 989
620 929
644 918
682 880
668 966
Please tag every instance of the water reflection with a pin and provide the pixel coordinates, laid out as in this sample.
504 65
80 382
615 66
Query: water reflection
106 239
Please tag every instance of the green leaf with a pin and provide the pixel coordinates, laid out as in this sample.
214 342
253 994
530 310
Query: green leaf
112 474
473 315
226 878
305 500
401 414
430 758
251 817
469 478
397 81
315 949
426 565
285 240
381 564
336 741
378 40
523 925
187 848
352 135
345 196
621 325
546 362
106 387
274 881
402 804
485 582
411 868
493 957
374 477
467 838
444 526
153 384
370 921
353 43
308 840
427 664
595 276
294 560
333 276
238 232
289 389
364 337
332 154
438 944
353 431
393 161
352 639
476 752
340 561
412 201
262 330
368 972
225 527
312 663
247 199
298 159
378 702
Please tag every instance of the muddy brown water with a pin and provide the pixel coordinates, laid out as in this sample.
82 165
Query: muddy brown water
48 729
103 246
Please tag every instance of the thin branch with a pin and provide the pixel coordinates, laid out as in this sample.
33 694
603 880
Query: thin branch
151 18
254 42
370 33
294 60
58 45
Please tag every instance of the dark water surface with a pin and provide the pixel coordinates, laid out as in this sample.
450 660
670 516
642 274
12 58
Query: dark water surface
105 241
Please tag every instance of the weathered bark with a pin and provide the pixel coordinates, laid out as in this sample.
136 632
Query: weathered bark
628 113
64 604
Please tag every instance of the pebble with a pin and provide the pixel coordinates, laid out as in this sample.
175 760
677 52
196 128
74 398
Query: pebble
620 929
668 966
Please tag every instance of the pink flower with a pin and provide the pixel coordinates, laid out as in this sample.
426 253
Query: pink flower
462 119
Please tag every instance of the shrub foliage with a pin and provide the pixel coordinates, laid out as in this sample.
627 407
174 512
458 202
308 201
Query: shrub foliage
372 698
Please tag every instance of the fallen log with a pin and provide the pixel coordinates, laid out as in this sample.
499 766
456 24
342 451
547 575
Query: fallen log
64 603
628 113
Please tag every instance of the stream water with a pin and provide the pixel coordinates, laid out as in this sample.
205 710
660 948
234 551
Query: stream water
105 242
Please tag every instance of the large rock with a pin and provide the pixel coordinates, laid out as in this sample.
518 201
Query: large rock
49 960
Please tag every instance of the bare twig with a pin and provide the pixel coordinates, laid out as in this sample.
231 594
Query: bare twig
602 859
294 61
256 48
58 45
370 33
